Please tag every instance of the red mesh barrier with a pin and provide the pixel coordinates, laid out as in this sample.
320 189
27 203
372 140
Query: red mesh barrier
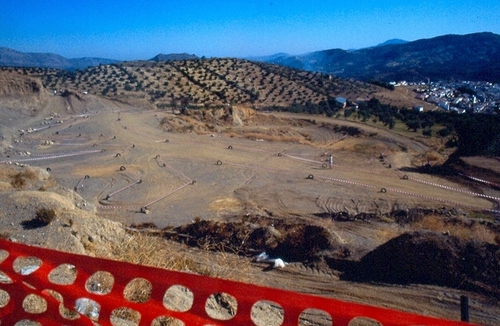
24 278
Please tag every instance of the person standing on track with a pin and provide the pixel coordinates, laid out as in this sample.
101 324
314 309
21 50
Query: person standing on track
330 161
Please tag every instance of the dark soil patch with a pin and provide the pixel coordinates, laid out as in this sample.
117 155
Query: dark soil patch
346 217
401 216
290 241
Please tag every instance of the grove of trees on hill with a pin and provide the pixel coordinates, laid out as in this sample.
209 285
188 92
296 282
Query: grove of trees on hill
474 134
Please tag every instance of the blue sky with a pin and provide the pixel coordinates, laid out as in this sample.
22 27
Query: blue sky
130 30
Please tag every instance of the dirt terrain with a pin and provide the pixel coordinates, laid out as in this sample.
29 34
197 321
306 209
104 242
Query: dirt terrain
102 166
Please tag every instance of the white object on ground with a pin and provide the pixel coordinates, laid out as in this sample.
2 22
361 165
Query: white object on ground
275 262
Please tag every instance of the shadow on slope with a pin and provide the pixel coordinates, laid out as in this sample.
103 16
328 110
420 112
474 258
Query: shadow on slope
430 258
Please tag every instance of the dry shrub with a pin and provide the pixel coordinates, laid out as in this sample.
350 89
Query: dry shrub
48 184
148 250
151 250
472 231
44 216
19 180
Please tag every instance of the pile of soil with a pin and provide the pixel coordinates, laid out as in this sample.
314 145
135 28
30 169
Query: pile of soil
426 257
299 242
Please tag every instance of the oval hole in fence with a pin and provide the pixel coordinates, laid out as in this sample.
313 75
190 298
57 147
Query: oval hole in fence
64 274
221 306
267 313
26 265
26 322
88 307
125 316
4 298
167 321
100 283
4 278
178 298
3 255
364 321
315 317
34 304
138 290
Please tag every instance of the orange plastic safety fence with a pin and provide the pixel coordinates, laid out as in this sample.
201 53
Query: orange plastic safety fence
67 289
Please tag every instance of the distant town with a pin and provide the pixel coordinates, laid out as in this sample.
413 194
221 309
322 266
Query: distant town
459 96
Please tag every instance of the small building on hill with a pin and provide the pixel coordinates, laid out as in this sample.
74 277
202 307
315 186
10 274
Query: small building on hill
342 101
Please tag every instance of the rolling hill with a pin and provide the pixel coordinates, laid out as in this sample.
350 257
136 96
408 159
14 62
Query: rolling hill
202 83
464 57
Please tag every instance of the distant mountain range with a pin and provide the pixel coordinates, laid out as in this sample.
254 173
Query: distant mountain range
12 58
464 57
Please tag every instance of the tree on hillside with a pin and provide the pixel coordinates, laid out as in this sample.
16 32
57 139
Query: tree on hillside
478 134
413 125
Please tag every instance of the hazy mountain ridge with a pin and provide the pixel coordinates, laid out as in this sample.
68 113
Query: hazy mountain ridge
467 57
392 42
464 57
13 58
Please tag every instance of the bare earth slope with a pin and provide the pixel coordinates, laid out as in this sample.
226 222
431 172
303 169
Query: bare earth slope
101 164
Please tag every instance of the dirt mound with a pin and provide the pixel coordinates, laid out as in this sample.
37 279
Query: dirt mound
289 241
432 258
